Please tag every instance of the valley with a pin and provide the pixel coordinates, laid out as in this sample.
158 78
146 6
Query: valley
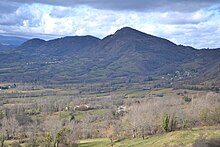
127 89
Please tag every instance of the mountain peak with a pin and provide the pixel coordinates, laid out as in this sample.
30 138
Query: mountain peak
128 31
31 44
36 39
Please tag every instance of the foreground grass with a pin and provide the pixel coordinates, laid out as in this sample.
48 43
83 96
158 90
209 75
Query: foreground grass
177 138
99 142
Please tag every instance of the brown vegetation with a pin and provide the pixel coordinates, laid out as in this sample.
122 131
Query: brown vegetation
57 122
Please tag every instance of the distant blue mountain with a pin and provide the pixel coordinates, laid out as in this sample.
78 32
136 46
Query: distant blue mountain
12 40
6 47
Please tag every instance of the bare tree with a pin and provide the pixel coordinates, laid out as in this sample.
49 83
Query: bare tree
53 125
9 127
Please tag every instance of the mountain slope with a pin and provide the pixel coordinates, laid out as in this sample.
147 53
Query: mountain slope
67 45
210 65
57 47
31 45
128 54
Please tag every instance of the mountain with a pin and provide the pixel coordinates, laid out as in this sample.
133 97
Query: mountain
6 47
58 47
12 40
67 45
139 52
128 54
209 65
31 45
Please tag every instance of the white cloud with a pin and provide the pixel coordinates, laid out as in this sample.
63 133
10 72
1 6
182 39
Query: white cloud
140 5
37 20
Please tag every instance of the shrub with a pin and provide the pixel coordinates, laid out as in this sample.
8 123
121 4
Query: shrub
215 116
204 115
165 124
2 139
173 123
187 99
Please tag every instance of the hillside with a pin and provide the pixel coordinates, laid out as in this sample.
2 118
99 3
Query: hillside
177 138
128 54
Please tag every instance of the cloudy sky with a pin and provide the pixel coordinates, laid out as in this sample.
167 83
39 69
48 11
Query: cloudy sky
188 22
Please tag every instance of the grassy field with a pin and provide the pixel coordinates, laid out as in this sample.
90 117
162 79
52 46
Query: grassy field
177 138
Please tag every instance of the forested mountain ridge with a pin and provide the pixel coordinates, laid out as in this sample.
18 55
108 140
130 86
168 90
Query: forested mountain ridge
128 54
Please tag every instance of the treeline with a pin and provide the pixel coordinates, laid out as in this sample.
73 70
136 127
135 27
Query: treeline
198 88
